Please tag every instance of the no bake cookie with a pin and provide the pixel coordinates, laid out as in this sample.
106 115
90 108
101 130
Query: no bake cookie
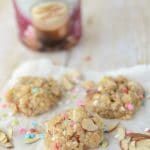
115 97
33 95
75 129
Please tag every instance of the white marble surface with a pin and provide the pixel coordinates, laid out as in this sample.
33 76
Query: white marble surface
116 35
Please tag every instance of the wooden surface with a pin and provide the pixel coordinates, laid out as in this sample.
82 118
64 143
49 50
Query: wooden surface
116 34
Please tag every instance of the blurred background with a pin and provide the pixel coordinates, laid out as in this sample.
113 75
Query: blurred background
115 35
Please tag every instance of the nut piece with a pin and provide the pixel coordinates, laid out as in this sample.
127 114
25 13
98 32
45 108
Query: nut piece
67 85
3 137
70 79
132 146
143 144
120 133
33 140
112 127
4 140
8 145
124 144
89 125
10 133
77 114
105 143
88 84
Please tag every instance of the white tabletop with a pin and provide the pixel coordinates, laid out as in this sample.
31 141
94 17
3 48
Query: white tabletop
116 34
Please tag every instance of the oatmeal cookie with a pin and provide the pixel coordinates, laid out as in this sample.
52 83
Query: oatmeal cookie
33 95
75 129
115 97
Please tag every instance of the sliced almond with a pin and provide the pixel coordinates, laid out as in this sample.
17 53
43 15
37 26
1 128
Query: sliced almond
67 85
124 144
143 144
33 140
132 146
112 127
88 84
74 75
8 145
120 133
3 137
10 133
105 144
138 138
89 125
138 135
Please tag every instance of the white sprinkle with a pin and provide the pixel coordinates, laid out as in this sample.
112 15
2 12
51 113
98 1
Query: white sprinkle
116 136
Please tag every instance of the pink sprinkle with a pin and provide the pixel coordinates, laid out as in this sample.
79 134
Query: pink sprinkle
80 103
75 90
56 63
129 106
88 58
55 146
125 90
3 105
76 79
22 130
64 115
32 130
72 123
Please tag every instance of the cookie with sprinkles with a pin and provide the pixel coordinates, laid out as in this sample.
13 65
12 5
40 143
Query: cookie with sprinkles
115 97
33 95
78 130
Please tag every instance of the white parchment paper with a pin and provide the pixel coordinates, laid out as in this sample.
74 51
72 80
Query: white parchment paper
45 68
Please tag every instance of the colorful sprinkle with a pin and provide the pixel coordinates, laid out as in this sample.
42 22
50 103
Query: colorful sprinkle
34 124
75 90
33 130
88 58
76 79
64 115
29 135
15 122
3 105
22 130
125 90
4 115
72 123
129 106
73 97
80 103
35 90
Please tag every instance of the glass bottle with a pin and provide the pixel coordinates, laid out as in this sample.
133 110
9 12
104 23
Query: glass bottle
49 24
